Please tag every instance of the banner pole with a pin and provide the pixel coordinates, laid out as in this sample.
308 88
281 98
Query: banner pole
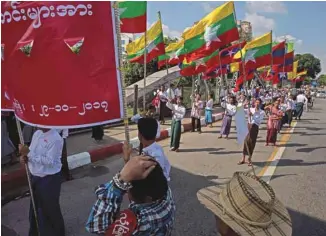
284 61
145 68
122 78
166 63
21 138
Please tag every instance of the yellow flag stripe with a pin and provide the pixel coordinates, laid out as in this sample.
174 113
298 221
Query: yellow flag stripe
234 67
257 42
139 44
174 46
216 15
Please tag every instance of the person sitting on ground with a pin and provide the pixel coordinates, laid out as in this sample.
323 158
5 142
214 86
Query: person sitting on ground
152 209
147 130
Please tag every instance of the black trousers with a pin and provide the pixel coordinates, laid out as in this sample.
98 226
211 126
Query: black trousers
47 196
193 122
64 161
162 110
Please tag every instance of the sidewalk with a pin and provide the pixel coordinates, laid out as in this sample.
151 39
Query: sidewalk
82 149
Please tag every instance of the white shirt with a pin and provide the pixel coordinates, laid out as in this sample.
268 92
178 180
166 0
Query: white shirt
170 93
44 157
178 92
301 98
256 116
230 110
290 104
156 151
136 118
209 104
65 132
163 96
178 111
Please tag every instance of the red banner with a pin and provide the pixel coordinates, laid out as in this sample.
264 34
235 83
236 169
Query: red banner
60 62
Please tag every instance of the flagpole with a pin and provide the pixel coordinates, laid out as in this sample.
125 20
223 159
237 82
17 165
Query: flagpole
242 62
222 80
166 63
272 59
284 62
122 78
145 68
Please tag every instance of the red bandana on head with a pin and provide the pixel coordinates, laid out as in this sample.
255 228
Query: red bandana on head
124 225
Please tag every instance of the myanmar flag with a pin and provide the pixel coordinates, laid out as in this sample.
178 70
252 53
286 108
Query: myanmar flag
289 47
172 54
226 55
214 31
257 52
289 58
132 16
279 53
154 48
292 75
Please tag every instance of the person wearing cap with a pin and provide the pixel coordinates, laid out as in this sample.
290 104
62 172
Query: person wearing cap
246 206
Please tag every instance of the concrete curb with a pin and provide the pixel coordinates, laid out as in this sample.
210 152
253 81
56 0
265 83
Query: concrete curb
18 177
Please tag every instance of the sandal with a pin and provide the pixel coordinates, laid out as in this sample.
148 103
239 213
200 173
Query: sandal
241 162
249 163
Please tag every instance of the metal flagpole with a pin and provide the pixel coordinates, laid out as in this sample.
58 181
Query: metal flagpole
166 63
122 78
145 68
21 138
284 62
272 59
222 82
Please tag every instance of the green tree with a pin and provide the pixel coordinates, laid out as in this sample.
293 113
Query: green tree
310 63
135 71
168 40
322 79
307 80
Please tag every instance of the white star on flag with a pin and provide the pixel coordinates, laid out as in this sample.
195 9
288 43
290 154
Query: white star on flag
199 62
250 55
210 35
230 53
7 96
172 54
216 70
151 46
282 75
121 11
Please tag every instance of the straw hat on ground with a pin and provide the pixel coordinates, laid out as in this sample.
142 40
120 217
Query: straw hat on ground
248 206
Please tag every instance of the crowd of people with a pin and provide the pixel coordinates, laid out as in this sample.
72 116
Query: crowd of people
145 177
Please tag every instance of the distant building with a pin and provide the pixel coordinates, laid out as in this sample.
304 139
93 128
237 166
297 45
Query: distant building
125 39
245 30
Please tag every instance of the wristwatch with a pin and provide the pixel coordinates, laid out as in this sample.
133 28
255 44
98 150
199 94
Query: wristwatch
125 186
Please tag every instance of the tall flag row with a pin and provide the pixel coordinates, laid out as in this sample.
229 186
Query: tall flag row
210 47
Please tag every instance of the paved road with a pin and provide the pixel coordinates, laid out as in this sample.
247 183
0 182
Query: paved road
204 161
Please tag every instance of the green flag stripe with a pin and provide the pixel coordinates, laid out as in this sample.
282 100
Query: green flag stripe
158 40
133 9
262 50
198 41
